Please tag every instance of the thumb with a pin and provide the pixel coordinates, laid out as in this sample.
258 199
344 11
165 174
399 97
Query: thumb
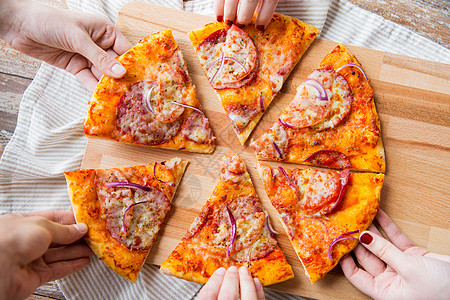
103 61
386 251
66 234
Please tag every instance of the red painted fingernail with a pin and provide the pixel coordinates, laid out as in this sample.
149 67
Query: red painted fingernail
260 27
229 22
366 238
219 18
239 25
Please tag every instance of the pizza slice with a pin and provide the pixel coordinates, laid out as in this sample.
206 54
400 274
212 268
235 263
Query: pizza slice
231 230
322 211
331 122
247 67
124 209
155 104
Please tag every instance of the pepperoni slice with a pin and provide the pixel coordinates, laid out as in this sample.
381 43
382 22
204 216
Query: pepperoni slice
341 104
308 108
229 57
196 128
137 123
323 188
329 158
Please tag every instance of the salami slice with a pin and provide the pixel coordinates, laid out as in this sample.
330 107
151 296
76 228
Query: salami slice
132 215
196 128
136 121
229 57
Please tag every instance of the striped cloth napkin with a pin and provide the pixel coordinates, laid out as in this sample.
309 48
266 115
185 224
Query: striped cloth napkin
49 139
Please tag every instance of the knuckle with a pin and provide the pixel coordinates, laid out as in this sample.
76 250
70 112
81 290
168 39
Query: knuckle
384 250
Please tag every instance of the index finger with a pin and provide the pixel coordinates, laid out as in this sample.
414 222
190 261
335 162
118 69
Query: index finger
248 290
58 216
211 289
394 234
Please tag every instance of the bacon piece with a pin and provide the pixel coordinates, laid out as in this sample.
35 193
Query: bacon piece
329 158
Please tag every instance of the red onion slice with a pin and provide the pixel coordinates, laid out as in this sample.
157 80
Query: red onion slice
127 184
352 65
261 102
318 86
280 154
286 124
338 239
126 211
189 106
222 60
233 230
318 220
272 231
344 177
236 61
147 100
154 174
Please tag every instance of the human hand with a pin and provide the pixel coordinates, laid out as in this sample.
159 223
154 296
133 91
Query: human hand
70 40
241 12
39 247
397 270
224 284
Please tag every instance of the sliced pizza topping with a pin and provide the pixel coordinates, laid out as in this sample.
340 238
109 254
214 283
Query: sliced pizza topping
322 101
323 188
241 115
329 158
344 236
228 56
133 212
196 128
135 119
274 144
233 170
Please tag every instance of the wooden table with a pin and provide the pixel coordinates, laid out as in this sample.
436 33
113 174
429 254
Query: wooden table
429 18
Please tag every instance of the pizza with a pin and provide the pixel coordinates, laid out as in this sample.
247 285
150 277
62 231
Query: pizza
331 122
322 211
154 104
124 209
232 229
247 67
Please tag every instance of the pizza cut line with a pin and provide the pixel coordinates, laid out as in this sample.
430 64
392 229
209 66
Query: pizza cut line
154 104
247 67
331 122
232 229
124 209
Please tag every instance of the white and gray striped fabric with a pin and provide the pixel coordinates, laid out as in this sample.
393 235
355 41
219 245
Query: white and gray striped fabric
49 138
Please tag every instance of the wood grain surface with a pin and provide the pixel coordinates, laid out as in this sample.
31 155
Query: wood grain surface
412 99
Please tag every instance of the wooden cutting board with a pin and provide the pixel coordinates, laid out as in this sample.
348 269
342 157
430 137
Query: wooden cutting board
412 99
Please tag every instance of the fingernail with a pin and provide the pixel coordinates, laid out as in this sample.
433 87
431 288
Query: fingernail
233 269
239 25
220 271
81 227
366 238
219 18
118 69
229 22
244 270
260 27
